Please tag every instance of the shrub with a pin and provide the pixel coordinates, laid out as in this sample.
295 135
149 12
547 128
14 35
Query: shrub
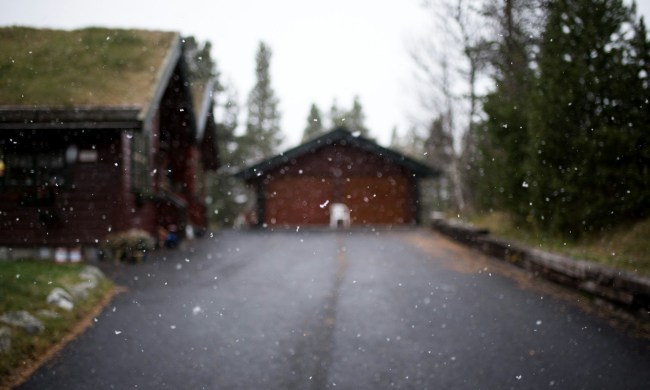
129 245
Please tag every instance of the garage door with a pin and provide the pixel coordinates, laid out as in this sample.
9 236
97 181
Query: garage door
375 200
294 201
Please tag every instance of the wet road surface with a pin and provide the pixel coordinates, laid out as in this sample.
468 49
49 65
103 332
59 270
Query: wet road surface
350 310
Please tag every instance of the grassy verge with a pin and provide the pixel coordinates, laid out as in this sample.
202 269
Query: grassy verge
626 248
24 285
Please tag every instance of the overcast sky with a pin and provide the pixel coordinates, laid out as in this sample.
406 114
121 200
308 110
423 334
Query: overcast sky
322 50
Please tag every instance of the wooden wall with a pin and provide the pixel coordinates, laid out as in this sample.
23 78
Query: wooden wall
376 190
82 212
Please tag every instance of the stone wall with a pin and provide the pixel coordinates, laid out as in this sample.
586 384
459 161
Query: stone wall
619 287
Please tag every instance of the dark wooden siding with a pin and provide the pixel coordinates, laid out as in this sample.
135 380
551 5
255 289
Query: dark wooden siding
180 158
85 211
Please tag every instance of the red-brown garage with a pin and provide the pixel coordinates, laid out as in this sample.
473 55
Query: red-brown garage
301 186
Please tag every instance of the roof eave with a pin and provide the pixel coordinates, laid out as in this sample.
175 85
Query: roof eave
257 170
186 92
55 117
260 167
162 79
203 110
416 167
72 126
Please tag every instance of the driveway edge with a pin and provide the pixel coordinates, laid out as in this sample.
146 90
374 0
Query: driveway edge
622 288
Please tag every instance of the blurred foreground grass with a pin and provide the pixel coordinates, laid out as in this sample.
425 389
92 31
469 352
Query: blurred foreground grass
24 285
626 248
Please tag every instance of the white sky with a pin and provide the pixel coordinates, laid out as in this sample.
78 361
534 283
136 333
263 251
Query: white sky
322 50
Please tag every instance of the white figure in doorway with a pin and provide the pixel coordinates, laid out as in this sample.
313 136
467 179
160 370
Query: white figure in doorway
339 216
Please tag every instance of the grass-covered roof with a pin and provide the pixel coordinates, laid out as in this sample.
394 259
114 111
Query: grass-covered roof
88 67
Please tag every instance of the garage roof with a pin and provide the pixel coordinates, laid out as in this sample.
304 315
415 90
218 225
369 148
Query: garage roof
337 136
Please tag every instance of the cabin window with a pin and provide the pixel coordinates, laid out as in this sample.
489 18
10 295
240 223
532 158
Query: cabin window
140 163
39 169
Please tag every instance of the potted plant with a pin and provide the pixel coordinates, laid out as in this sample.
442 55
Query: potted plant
129 245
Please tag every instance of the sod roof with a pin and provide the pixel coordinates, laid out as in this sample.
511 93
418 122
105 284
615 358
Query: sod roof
81 68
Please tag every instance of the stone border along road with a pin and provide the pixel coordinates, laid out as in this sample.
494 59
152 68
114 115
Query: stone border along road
622 288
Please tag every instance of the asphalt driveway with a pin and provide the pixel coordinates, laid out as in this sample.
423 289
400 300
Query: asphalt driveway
351 310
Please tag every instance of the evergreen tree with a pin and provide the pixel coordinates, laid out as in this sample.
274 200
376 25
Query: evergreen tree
584 164
412 143
200 64
395 141
263 135
336 116
439 144
439 150
224 190
352 119
629 147
227 122
415 144
314 124
355 118
502 142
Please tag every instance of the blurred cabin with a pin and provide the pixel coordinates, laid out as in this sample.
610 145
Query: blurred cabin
337 179
101 131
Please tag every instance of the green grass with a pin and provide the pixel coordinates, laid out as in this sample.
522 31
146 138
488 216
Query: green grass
24 285
626 247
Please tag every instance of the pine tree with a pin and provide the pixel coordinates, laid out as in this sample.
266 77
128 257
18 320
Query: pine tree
439 153
503 143
634 159
395 140
581 165
352 119
355 119
412 143
199 60
263 135
336 116
439 144
227 122
314 124
223 189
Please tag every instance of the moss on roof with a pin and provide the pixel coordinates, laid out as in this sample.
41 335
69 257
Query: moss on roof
88 67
